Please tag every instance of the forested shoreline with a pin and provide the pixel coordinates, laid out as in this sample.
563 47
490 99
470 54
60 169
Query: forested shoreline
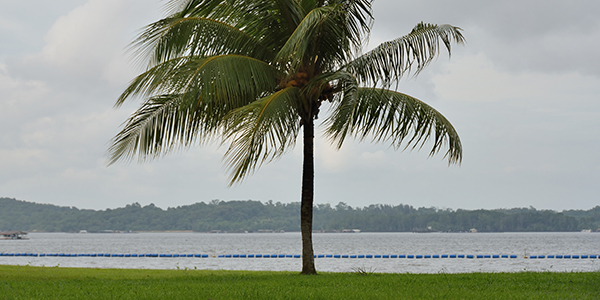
253 216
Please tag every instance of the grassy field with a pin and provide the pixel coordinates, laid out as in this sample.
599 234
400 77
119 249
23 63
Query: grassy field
23 282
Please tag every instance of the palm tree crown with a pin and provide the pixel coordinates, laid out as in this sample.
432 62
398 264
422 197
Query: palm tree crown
254 72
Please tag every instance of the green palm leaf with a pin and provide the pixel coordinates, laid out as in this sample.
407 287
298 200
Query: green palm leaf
389 116
391 60
261 131
158 126
233 80
195 36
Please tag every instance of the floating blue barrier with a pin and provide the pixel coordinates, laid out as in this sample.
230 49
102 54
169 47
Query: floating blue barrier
418 256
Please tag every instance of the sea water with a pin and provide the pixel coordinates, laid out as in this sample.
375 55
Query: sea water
520 245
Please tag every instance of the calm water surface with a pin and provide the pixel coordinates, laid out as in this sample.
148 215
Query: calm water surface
324 243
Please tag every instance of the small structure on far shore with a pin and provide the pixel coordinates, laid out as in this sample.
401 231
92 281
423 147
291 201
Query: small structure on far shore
13 235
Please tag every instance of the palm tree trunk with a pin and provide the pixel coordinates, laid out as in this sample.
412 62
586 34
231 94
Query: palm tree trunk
306 206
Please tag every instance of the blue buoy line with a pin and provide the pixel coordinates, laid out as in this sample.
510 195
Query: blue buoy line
326 256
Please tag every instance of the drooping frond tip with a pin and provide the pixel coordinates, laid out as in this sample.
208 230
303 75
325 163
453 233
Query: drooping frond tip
390 61
392 117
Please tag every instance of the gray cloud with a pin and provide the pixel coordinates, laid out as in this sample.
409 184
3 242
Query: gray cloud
523 94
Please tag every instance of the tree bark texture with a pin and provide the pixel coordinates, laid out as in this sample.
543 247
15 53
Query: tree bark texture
306 207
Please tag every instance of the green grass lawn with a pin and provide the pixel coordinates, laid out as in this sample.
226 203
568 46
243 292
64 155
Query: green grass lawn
24 282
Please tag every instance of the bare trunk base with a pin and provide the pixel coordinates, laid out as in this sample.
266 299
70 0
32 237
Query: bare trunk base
306 206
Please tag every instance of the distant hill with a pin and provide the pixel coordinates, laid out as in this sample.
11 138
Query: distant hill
235 216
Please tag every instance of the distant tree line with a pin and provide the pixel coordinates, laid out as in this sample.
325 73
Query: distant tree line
236 216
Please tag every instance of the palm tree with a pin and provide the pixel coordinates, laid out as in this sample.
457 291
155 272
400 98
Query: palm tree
254 74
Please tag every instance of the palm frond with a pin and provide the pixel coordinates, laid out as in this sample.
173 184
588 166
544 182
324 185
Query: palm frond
261 131
292 13
232 80
261 19
389 61
326 34
389 116
194 36
161 124
297 47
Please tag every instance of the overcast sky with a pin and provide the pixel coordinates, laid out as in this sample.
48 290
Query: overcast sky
523 93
